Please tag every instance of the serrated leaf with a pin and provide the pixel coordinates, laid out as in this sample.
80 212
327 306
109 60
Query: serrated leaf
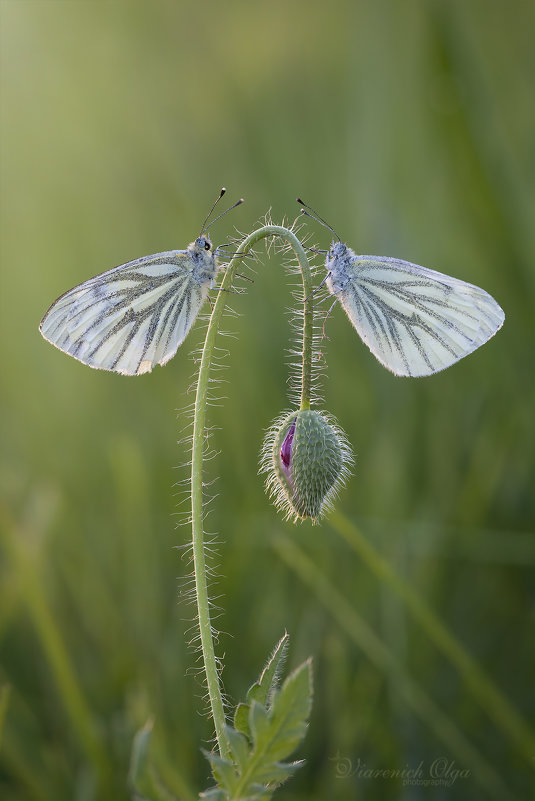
239 746
214 794
222 770
258 722
256 693
275 733
289 713
259 793
260 690
277 772
256 792
241 719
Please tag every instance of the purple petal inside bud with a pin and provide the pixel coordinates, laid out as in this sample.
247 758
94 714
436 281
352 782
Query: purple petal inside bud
286 449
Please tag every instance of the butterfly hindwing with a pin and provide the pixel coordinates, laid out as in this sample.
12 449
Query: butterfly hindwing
130 318
414 320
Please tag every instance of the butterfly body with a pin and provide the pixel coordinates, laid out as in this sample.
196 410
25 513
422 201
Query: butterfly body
414 320
136 315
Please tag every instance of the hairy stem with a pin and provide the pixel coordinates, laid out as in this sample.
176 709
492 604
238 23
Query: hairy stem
199 561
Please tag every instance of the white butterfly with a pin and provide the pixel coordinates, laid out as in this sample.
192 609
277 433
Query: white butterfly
414 320
136 315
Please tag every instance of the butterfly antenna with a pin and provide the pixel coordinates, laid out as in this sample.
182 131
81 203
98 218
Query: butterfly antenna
315 216
223 190
238 203
315 250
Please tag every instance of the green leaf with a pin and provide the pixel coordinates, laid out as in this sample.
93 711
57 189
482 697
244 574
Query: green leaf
277 772
257 793
264 737
261 690
275 734
239 746
290 712
258 722
241 719
223 771
214 794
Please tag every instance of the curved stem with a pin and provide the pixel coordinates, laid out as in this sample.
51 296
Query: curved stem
199 562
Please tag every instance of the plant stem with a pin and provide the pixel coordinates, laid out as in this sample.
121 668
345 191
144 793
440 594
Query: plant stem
308 325
199 562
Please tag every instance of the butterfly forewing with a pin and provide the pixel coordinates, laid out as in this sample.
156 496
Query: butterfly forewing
130 318
414 320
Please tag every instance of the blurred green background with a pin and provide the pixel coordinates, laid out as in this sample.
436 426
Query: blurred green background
411 127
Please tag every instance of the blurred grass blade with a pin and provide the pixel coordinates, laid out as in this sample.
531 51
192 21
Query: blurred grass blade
139 760
143 782
5 692
378 653
481 685
15 540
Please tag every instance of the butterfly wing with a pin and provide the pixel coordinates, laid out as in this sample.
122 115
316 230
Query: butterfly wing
130 318
416 321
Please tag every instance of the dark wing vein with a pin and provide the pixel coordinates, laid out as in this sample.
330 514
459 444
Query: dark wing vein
127 319
417 321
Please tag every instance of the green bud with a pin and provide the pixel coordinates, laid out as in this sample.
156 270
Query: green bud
306 458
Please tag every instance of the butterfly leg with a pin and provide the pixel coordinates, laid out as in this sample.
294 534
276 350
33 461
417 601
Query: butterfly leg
227 255
323 335
223 289
319 286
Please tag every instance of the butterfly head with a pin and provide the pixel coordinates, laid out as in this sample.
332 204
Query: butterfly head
337 251
203 258
202 243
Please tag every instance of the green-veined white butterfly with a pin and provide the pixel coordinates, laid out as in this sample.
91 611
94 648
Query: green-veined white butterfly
136 315
414 320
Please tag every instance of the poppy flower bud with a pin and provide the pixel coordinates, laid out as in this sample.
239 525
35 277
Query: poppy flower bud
306 458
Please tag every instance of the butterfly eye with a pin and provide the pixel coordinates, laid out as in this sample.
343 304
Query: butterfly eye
207 246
